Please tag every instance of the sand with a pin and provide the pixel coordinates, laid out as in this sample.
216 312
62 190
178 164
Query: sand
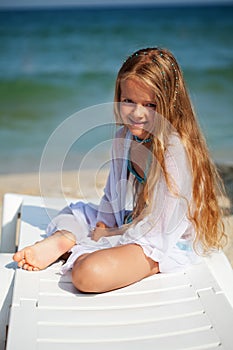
89 184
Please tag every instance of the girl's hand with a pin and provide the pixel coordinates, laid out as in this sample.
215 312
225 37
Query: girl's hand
101 230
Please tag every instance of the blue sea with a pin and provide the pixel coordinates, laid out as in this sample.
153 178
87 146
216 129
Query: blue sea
56 62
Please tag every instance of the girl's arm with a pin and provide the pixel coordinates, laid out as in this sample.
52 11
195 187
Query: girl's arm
111 209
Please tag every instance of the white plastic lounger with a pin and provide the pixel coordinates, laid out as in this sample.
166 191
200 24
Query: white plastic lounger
188 310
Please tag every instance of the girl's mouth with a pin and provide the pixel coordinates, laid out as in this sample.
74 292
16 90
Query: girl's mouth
136 123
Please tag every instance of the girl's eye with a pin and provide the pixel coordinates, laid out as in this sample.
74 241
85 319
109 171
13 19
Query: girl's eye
128 101
146 105
151 106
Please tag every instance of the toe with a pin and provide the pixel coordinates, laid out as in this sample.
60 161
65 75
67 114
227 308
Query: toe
25 266
21 263
18 256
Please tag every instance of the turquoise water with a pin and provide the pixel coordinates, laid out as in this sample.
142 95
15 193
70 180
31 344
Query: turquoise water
56 62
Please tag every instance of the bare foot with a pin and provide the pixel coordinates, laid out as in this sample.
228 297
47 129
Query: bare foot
42 254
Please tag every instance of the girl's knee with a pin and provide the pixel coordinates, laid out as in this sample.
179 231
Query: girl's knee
88 275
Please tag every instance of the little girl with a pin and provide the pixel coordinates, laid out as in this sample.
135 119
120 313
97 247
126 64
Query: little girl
159 208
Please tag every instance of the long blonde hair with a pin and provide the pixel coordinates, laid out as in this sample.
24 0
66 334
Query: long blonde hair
158 69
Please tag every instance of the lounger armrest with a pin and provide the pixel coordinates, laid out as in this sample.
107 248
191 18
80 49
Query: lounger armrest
10 213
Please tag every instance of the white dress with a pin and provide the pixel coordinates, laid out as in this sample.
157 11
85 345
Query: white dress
165 235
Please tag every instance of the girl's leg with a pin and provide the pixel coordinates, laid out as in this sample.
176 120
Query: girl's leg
43 253
112 268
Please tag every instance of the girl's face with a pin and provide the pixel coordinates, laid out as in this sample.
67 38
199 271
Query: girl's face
137 107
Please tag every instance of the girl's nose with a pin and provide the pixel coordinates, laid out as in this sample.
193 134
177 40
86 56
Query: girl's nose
139 111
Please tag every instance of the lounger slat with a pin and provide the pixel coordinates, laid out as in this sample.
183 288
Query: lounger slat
115 315
148 299
125 330
205 339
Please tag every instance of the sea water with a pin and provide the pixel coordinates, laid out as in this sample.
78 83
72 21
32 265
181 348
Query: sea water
56 62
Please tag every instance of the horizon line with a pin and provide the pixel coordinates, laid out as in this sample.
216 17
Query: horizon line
200 3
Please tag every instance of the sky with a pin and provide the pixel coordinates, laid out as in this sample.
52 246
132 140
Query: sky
56 3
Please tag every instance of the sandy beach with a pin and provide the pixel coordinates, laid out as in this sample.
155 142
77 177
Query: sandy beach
89 184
